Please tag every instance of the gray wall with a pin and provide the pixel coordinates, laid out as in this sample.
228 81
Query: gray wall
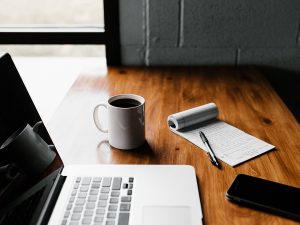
211 32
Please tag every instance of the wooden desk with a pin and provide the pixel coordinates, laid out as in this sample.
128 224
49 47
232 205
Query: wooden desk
245 100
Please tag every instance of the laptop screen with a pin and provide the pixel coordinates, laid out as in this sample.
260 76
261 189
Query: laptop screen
17 109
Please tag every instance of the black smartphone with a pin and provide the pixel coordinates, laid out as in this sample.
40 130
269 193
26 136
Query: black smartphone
265 195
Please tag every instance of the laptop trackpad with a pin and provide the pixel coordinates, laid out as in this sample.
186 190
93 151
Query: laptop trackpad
166 215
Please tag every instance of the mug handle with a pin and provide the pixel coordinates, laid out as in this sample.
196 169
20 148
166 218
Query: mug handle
96 118
36 129
36 126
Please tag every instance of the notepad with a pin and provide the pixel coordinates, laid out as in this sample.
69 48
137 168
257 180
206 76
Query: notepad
230 144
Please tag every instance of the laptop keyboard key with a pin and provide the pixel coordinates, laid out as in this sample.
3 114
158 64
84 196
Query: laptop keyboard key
123 219
80 201
97 179
76 185
113 207
88 213
96 186
73 223
110 222
111 215
98 219
115 193
86 180
105 190
102 204
69 207
78 209
67 214
94 192
75 216
100 211
87 220
72 199
103 197
125 207
117 183
82 195
90 205
92 198
84 188
114 200
106 182
125 199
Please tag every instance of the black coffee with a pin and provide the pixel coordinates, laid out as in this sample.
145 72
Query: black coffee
125 103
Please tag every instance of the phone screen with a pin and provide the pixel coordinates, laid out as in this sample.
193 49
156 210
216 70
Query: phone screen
264 194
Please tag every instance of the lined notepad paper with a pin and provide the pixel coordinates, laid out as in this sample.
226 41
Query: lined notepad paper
230 144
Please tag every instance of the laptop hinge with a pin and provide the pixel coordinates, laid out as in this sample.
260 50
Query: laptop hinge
51 200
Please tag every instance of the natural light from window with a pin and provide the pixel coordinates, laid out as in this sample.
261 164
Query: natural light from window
54 14
51 13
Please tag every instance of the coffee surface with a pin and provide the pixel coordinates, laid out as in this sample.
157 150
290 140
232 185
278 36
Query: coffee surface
125 103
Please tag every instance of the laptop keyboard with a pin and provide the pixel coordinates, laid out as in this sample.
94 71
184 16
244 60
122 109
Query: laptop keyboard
99 201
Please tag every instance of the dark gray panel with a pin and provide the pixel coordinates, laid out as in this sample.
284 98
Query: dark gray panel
163 22
191 56
131 22
236 23
133 55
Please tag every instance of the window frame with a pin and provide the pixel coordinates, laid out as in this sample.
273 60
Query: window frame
107 35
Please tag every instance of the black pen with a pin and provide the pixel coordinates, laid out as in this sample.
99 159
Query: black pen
209 150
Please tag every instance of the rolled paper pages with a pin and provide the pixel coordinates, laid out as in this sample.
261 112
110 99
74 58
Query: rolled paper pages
193 116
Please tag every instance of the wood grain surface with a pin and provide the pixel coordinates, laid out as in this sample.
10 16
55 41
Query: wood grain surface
245 100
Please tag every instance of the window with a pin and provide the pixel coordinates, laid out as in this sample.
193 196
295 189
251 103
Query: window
68 22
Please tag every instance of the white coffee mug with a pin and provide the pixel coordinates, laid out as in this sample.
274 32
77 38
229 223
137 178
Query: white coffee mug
126 120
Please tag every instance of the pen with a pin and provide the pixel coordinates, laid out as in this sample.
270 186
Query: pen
209 150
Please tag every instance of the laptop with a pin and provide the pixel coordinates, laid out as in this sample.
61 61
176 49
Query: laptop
90 194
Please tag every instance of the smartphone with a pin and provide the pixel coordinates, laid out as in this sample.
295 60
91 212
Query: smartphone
265 195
